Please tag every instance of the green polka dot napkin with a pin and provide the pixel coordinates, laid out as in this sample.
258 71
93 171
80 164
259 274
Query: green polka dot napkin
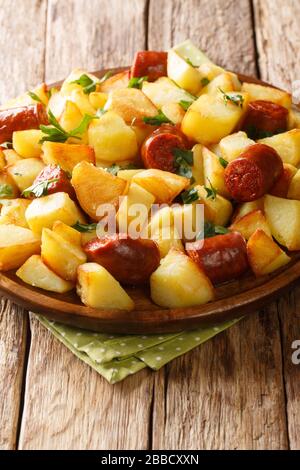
115 356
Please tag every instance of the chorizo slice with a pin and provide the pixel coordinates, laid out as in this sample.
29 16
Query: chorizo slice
254 173
151 64
222 257
265 118
130 261
20 119
58 180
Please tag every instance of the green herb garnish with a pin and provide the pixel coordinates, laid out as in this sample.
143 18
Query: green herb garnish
114 169
6 191
157 120
34 97
39 189
137 82
184 160
190 196
211 191
188 61
55 133
88 84
6 145
211 230
238 100
84 227
185 104
204 81
223 162
100 112
254 133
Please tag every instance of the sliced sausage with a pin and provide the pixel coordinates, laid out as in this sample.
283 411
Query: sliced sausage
222 258
130 261
265 118
61 181
21 118
151 64
253 174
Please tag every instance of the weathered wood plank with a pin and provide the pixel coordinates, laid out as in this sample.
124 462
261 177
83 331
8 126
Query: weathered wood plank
68 405
278 41
18 40
228 393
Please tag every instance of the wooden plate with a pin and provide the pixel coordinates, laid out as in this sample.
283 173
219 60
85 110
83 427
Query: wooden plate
233 299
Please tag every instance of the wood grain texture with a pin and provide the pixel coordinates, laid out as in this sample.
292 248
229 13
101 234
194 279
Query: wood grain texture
67 405
13 332
229 393
217 26
278 42
17 75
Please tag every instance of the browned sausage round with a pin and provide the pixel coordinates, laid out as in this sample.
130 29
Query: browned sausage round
151 64
264 118
20 119
130 261
60 181
222 258
251 175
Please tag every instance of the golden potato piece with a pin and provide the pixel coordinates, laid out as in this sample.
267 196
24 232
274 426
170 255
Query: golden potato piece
249 223
131 104
233 145
60 255
184 74
217 210
283 217
164 91
212 117
262 92
126 214
247 207
214 172
264 254
66 155
164 186
27 143
97 288
11 156
95 186
16 245
13 212
35 273
178 282
112 139
116 82
8 187
167 238
24 171
287 145
44 211
68 233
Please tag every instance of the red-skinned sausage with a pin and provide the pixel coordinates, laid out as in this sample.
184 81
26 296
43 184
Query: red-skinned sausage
254 173
20 119
222 258
63 184
151 64
264 118
158 149
130 261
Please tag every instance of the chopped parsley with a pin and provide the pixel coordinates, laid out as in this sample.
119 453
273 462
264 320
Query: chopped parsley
211 230
157 120
223 162
55 133
88 84
190 196
185 104
6 191
34 97
137 82
184 160
84 228
237 100
39 189
211 191
204 81
114 169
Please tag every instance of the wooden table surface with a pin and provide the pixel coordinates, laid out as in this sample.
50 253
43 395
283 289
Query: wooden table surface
238 391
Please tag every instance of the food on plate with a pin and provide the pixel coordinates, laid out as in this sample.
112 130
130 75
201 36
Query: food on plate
36 273
254 173
264 118
94 187
171 176
130 261
222 257
283 217
16 245
264 254
97 288
168 288
21 118
43 211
